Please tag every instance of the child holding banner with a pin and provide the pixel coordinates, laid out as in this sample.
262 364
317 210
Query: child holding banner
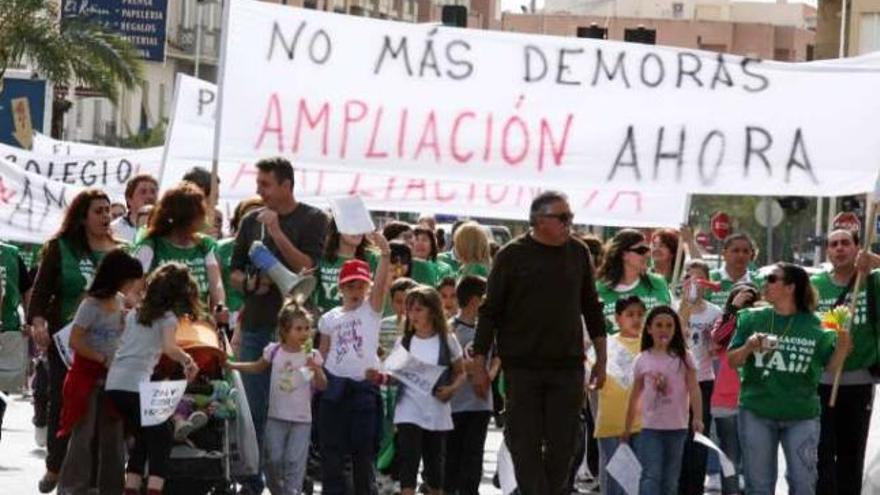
149 332
665 377
295 371
97 327
350 419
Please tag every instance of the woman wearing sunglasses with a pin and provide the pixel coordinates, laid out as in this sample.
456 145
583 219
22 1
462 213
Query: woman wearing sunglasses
783 350
625 273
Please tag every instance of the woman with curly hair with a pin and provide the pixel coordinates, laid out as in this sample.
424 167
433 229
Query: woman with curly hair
625 273
67 268
175 234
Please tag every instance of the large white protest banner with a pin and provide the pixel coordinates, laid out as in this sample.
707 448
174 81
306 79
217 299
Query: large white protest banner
31 205
191 137
108 172
466 105
45 145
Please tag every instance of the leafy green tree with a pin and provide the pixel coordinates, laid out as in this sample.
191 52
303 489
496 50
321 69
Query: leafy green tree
75 51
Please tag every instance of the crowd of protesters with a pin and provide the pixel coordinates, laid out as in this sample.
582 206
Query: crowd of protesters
573 346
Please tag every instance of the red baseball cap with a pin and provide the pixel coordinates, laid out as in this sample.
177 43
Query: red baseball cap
354 270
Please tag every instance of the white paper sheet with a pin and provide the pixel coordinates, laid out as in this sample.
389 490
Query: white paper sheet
727 467
625 468
351 215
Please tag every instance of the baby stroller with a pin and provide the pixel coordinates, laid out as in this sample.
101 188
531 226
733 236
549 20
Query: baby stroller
202 463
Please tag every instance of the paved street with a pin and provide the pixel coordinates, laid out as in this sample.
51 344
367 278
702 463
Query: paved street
21 462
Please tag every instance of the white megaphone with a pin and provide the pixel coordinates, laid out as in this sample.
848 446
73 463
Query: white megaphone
289 283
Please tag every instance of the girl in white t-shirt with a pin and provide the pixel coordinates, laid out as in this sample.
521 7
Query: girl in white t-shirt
350 409
296 369
423 417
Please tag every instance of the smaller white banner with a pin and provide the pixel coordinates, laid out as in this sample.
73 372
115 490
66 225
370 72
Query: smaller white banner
108 172
418 375
31 206
46 145
351 215
62 343
727 467
625 468
159 400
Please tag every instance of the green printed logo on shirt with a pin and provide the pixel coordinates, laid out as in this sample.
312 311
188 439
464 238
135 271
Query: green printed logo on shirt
782 384
655 294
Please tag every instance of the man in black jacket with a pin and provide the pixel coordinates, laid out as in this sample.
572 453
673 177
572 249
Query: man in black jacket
541 293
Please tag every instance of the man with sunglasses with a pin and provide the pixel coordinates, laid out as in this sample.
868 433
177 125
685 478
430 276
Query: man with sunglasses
844 428
541 292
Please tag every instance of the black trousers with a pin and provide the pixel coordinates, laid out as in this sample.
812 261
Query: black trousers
464 452
844 438
416 445
543 426
693 466
151 443
56 447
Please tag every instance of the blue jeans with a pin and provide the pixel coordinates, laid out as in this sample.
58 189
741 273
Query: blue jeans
728 441
660 453
256 387
349 423
607 448
800 443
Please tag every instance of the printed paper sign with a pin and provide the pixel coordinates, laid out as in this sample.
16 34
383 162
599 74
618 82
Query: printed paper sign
625 468
62 344
351 215
447 104
418 375
159 400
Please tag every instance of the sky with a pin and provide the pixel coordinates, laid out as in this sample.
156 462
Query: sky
514 5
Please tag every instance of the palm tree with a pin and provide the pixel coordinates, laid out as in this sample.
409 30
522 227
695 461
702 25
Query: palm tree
73 52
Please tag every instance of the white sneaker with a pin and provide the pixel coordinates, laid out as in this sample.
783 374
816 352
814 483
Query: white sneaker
40 436
713 483
742 483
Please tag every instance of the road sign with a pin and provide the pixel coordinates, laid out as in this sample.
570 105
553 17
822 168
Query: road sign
720 225
773 217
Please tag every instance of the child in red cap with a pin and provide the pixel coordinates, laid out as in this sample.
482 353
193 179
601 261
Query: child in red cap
350 407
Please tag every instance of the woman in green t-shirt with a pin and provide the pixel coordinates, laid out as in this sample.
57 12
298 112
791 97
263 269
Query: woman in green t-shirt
625 273
67 267
339 248
471 247
783 351
425 267
175 234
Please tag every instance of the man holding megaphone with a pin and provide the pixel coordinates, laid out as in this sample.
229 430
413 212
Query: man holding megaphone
273 245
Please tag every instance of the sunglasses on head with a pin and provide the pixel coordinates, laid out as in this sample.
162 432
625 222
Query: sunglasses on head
773 278
640 250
